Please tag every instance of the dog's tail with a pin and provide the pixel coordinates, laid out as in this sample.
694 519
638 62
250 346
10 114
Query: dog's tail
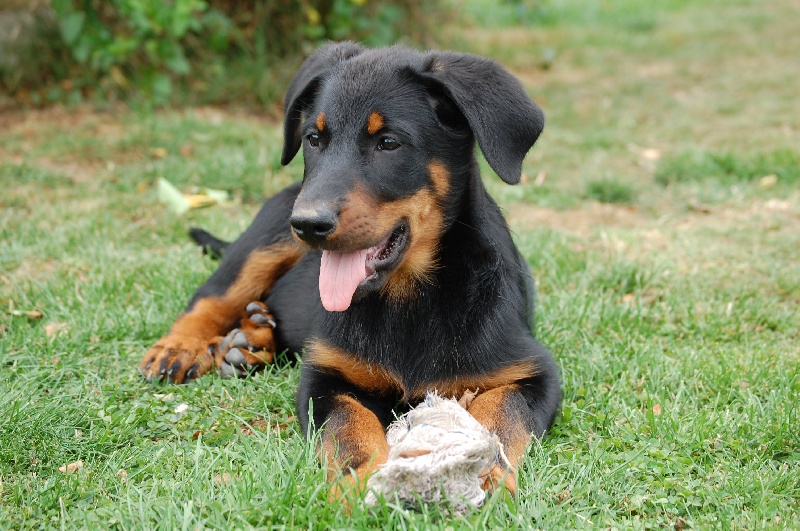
211 245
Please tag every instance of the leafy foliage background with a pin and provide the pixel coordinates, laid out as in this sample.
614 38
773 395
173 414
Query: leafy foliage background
198 51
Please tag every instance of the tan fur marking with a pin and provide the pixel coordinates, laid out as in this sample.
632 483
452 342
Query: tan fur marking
321 121
374 123
365 375
480 384
214 316
353 436
440 177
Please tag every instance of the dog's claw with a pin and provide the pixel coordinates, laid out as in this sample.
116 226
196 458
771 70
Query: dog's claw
260 319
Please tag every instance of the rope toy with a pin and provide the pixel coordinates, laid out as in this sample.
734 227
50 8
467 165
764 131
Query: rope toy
438 452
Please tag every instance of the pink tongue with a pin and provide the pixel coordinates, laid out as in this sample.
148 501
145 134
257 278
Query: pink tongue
339 276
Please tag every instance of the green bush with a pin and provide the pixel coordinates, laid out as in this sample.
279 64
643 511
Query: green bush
202 51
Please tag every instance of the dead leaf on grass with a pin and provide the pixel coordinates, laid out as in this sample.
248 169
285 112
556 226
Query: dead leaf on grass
224 479
159 152
70 468
51 329
657 409
563 496
768 181
122 474
30 314
282 426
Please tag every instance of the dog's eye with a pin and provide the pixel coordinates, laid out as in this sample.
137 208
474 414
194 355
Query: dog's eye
313 139
388 144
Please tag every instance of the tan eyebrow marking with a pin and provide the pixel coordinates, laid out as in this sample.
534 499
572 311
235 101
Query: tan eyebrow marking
321 121
375 123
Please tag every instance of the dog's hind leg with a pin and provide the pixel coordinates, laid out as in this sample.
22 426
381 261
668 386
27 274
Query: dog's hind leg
190 347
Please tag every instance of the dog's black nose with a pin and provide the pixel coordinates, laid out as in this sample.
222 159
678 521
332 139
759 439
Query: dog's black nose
313 225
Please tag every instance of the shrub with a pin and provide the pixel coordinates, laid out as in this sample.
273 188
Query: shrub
204 50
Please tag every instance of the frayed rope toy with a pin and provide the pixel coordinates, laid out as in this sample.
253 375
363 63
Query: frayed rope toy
438 452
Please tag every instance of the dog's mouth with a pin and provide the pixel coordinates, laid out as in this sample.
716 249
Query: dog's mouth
345 277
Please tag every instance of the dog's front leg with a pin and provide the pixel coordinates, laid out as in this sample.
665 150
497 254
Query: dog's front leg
353 444
515 414
350 402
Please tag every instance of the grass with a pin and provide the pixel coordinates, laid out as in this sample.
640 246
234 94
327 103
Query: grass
667 264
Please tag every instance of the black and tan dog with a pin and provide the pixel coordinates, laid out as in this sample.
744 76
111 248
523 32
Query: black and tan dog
389 264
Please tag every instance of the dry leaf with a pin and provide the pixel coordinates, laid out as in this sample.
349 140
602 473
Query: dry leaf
30 314
159 152
768 181
122 474
657 409
540 178
70 468
51 329
224 479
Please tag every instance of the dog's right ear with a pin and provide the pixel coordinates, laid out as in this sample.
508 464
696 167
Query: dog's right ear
303 88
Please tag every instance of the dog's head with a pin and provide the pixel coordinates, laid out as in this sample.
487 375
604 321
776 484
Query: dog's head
388 140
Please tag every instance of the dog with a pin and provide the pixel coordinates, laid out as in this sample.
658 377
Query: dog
389 265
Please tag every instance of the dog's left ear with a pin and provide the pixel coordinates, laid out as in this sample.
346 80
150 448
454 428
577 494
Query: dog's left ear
504 120
302 90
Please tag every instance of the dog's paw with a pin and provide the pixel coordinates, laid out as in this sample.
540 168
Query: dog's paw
498 477
177 359
250 347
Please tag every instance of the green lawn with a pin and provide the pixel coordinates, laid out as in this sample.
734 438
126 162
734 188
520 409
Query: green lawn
660 214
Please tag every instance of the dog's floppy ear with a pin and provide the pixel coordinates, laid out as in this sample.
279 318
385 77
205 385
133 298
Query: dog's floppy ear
303 87
504 120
